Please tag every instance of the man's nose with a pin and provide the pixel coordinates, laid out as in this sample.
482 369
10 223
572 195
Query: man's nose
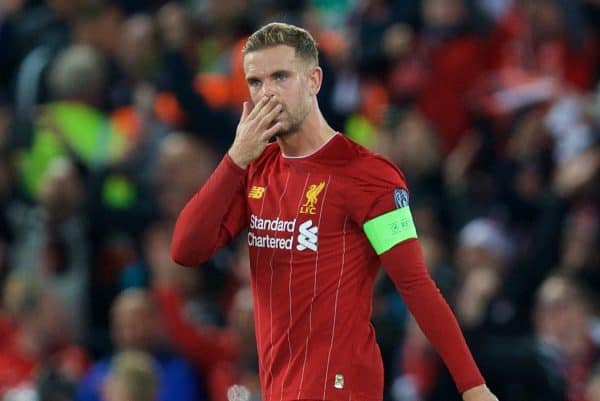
269 89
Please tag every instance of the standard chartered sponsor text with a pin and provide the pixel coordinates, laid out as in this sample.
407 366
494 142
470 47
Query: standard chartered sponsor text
267 241
272 224
270 241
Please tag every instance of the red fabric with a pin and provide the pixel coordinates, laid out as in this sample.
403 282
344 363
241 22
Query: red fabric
453 70
441 77
419 362
218 205
514 45
578 371
313 269
208 348
205 346
7 331
15 370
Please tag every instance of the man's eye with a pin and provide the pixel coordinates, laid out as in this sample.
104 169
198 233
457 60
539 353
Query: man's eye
280 77
254 83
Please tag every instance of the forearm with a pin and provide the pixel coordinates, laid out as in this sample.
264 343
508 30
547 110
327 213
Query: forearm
203 225
404 263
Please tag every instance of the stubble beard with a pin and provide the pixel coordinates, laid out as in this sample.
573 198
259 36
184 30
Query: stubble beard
293 124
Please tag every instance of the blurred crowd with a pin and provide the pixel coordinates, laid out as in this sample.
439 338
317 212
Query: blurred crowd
114 112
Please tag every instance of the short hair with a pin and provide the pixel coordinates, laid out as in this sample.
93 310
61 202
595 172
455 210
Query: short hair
279 33
78 71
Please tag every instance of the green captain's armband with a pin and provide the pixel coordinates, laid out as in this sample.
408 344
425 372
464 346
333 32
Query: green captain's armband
390 229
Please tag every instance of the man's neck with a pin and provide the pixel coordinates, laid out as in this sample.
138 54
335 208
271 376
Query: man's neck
313 134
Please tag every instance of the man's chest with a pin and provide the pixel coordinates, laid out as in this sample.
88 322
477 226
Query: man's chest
295 211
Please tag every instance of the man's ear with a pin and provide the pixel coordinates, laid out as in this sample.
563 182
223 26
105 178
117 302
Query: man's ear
315 78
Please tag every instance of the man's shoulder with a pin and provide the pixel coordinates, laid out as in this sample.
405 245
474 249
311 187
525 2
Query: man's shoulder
366 165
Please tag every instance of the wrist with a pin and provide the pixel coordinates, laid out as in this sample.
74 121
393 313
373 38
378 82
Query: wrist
479 393
238 161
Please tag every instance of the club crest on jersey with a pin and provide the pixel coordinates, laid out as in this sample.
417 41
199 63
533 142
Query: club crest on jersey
400 197
256 192
312 198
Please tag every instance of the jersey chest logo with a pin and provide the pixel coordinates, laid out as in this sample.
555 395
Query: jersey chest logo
307 237
256 192
312 198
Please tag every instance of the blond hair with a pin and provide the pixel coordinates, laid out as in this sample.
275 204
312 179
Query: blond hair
279 33
137 374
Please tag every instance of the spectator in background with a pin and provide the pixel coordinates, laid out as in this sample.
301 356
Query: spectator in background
399 76
41 340
125 205
412 143
42 32
213 124
143 110
195 322
98 25
135 326
51 240
72 125
593 387
544 39
484 256
184 163
134 377
243 374
539 50
438 66
484 252
562 319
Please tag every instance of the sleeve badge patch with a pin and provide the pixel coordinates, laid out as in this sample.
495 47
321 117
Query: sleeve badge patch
400 197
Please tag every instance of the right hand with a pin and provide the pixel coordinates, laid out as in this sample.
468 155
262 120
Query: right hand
254 131
479 393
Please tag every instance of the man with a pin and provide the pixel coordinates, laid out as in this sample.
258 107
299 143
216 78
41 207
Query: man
323 214
135 326
133 378
39 342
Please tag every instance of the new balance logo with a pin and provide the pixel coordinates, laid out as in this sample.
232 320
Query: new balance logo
256 192
307 239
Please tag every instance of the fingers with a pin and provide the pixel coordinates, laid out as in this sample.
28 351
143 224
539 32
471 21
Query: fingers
258 122
245 111
271 131
268 118
258 107
263 107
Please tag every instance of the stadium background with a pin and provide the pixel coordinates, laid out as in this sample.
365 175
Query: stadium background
112 113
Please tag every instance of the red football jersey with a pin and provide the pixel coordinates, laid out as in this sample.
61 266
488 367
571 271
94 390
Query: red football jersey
313 268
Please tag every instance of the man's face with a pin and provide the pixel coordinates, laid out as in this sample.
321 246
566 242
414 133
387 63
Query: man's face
276 71
133 323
